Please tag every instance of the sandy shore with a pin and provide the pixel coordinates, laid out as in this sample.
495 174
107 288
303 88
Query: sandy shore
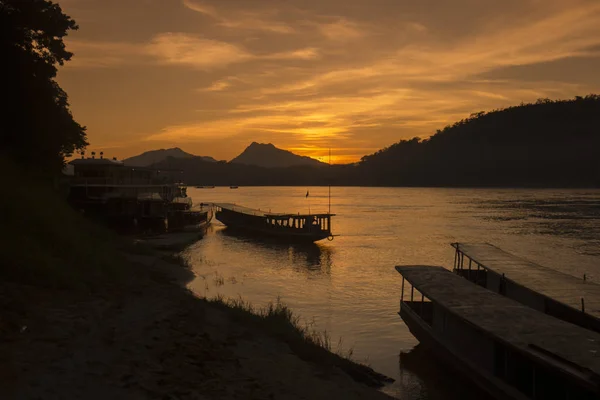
150 339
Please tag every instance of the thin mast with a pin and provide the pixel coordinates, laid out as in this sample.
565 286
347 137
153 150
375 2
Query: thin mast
329 212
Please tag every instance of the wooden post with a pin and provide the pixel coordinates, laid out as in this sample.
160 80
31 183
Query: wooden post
582 305
421 307
470 261
412 290
455 259
402 293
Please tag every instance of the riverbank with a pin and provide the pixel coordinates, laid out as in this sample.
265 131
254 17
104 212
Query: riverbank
98 317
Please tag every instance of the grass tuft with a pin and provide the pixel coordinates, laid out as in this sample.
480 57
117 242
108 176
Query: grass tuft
308 343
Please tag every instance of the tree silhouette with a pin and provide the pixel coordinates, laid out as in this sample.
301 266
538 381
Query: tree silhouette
37 128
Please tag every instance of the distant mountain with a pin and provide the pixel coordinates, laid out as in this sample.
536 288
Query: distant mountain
156 156
269 156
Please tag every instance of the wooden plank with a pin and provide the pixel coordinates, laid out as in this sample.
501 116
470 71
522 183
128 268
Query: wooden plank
507 320
564 288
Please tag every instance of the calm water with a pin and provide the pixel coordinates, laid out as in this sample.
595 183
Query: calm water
349 286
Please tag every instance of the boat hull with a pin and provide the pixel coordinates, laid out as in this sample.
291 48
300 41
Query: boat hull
435 346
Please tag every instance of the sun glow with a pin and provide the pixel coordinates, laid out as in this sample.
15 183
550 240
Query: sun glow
303 78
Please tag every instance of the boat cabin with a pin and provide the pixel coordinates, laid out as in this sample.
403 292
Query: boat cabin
506 348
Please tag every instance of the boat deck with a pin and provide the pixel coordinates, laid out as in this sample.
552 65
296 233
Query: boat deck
261 213
564 345
558 286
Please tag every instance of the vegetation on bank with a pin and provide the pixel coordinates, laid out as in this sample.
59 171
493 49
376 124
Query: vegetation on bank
305 341
47 244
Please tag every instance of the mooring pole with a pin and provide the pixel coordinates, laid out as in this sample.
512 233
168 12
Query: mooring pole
329 208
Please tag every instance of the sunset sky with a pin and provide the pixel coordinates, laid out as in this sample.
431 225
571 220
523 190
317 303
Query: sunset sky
354 75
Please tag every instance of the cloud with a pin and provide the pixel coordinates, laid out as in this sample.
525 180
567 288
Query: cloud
340 30
217 86
243 20
92 54
195 51
309 53
174 48
201 8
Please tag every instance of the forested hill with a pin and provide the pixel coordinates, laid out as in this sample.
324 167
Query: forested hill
545 144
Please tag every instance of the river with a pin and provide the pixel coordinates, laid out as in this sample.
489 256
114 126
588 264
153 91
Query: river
349 286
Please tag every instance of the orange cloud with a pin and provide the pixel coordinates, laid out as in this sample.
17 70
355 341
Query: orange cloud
240 20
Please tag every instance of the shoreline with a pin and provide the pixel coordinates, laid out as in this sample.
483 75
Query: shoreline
150 337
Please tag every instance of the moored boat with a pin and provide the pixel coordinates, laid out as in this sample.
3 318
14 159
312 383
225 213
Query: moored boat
284 226
505 348
572 299
183 216
133 198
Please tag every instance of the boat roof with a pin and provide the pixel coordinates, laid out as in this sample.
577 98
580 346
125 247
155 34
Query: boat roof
564 288
571 348
260 213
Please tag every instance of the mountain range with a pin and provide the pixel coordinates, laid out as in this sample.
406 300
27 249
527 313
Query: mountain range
269 156
256 154
542 144
151 157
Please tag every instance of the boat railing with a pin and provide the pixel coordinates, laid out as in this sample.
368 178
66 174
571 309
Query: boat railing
416 301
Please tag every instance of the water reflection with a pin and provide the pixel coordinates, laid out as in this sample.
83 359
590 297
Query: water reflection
311 257
349 286
438 381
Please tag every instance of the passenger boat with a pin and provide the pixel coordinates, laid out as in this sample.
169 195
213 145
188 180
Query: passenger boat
285 226
505 348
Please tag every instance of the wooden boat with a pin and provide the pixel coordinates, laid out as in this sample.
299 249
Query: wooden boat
563 296
505 348
183 216
233 187
285 226
133 198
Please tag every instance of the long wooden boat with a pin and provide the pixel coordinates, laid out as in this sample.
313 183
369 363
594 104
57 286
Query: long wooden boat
285 226
563 296
506 348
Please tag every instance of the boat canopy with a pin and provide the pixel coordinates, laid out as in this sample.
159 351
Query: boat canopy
260 213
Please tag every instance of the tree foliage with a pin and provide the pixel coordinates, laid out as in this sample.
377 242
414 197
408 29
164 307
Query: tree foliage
37 128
